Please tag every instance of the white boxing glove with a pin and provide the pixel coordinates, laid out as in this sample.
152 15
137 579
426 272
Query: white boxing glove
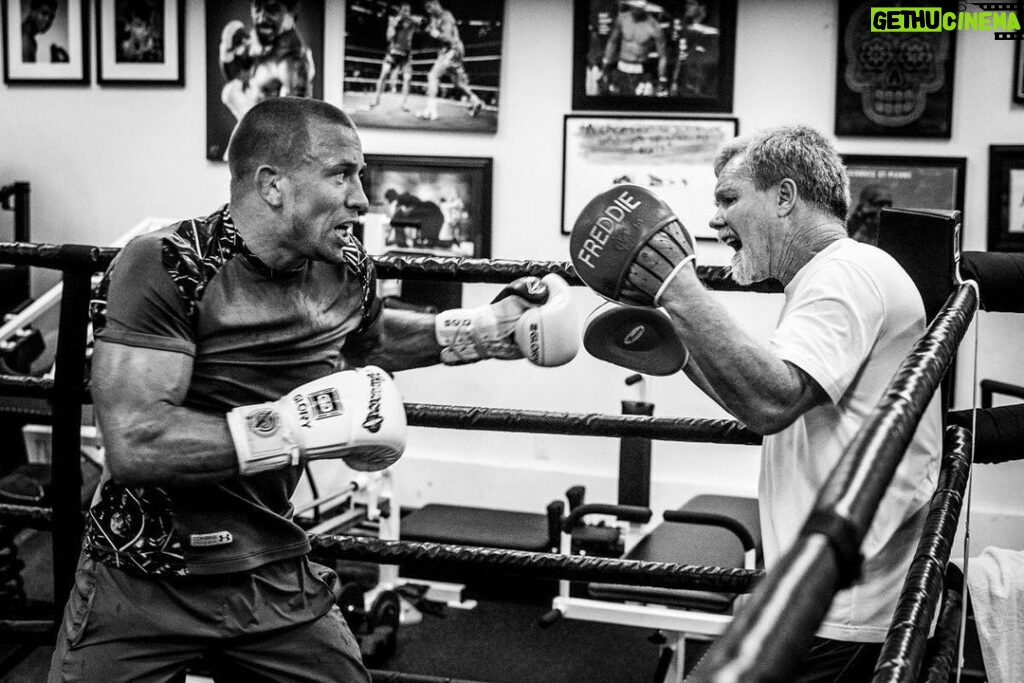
549 334
530 318
467 335
356 415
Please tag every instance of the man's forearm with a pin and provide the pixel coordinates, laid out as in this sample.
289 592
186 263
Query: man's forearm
746 378
181 447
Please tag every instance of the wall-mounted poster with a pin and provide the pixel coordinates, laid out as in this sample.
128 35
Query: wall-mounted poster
140 42
880 181
1006 198
892 83
46 42
672 157
431 65
673 55
256 50
440 205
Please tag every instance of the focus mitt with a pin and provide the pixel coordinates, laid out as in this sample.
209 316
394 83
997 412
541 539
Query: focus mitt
638 339
627 245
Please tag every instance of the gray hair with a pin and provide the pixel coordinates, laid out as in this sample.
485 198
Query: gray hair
797 152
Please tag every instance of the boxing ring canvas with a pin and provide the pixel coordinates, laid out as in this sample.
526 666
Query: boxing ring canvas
43 47
1006 198
376 59
696 40
140 43
671 157
904 182
892 84
436 205
259 52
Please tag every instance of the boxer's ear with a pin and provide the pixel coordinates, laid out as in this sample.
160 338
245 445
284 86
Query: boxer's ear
268 185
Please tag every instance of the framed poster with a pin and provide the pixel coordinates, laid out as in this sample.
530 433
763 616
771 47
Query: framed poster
433 65
440 205
672 157
908 182
140 42
1018 72
1006 198
255 51
892 84
46 42
676 55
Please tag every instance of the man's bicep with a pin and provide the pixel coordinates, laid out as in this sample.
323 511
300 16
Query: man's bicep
810 393
128 378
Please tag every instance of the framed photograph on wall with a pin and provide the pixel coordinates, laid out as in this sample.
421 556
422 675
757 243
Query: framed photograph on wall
672 56
46 42
423 65
892 84
256 53
672 157
1018 73
907 182
440 205
1006 198
140 42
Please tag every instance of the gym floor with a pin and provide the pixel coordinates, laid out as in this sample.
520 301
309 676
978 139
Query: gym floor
498 641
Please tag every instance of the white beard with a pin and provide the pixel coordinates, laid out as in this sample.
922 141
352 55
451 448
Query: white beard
743 271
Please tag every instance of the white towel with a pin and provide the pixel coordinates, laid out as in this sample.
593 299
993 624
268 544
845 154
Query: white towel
995 580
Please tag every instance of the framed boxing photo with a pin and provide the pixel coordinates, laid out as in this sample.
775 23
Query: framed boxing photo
433 65
673 157
641 56
903 182
46 42
426 204
140 42
1006 198
1018 72
255 50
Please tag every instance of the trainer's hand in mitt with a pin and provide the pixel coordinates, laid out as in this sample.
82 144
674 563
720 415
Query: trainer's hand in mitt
627 245
638 339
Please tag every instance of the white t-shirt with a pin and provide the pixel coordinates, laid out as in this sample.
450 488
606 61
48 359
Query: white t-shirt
850 318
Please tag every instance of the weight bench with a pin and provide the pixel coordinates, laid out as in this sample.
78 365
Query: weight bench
483 527
709 530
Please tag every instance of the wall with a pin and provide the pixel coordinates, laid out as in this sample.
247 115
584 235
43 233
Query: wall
102 159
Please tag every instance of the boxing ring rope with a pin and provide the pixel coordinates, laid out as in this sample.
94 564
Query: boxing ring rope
579 424
769 633
904 647
538 565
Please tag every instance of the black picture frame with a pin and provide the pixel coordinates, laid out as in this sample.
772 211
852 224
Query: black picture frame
226 98
153 56
905 182
444 204
480 26
1018 72
673 156
871 87
700 44
60 57
1006 198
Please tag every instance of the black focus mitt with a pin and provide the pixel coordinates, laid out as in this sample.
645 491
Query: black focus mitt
638 339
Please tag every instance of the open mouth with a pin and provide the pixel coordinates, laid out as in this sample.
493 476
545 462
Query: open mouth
730 240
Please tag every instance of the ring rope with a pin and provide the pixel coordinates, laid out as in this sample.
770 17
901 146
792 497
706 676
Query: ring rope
769 634
904 647
580 424
537 565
